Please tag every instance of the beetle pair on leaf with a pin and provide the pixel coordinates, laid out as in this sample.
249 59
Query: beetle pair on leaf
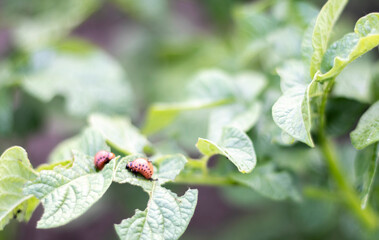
139 165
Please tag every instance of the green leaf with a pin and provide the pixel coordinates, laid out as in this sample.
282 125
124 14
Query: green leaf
367 131
89 142
348 86
322 31
15 171
6 111
306 43
266 181
68 193
40 23
212 85
366 164
88 78
291 112
235 145
166 168
210 88
293 75
235 115
280 50
166 216
249 85
364 38
253 26
161 115
119 133
306 11
252 22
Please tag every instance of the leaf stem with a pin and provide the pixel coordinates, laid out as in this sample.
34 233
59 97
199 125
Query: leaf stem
329 152
199 164
204 179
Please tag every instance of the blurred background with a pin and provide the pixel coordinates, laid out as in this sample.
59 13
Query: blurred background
62 60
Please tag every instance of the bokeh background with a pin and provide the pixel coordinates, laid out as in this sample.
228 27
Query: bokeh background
124 55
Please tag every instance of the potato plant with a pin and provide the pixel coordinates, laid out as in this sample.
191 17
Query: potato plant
289 109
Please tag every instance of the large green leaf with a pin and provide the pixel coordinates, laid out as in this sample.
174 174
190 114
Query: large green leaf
322 31
366 164
306 11
249 85
306 43
288 115
161 115
270 183
119 133
89 142
291 110
355 81
207 89
364 38
39 23
88 79
166 216
367 131
252 27
252 22
235 145
68 193
244 113
15 171
212 85
235 115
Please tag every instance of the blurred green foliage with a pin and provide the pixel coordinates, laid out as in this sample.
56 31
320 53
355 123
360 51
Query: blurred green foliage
181 70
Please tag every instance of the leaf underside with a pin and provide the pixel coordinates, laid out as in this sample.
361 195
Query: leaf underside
15 171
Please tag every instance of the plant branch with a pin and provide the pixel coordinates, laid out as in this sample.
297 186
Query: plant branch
199 164
204 179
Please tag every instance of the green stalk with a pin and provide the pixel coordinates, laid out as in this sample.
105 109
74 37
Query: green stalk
204 179
329 152
199 164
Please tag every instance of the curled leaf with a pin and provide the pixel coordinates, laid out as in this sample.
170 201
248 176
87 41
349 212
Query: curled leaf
15 171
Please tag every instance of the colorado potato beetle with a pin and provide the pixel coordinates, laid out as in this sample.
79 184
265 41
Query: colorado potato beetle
103 157
142 166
